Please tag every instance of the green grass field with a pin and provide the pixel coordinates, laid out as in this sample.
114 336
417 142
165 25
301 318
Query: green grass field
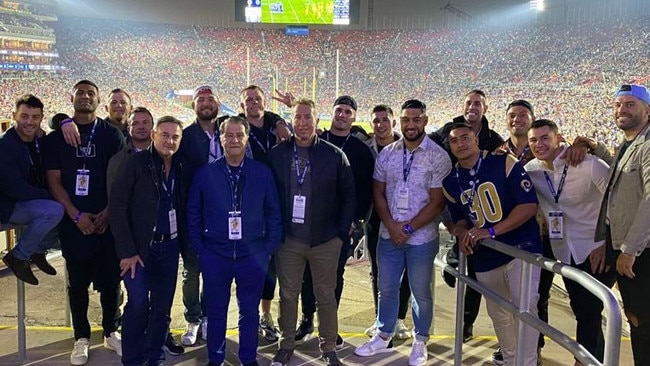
299 11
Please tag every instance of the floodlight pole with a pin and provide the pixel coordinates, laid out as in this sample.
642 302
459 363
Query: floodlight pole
337 74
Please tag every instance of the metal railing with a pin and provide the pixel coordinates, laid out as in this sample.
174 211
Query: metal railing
20 299
521 310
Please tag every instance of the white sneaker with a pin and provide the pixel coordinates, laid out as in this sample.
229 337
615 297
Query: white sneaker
189 336
419 354
401 331
204 328
114 343
375 345
372 330
79 355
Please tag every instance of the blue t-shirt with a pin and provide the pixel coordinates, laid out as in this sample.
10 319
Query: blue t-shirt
501 184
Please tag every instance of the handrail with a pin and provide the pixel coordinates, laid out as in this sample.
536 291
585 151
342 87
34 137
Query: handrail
605 294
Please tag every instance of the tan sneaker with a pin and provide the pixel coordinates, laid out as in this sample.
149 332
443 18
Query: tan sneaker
79 355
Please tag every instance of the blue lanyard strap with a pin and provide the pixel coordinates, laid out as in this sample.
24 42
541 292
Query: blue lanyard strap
560 187
299 176
406 166
86 152
259 143
521 156
169 192
233 178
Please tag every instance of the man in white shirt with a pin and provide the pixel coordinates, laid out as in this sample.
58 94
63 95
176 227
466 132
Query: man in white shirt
569 198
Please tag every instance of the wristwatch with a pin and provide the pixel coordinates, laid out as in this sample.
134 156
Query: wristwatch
407 229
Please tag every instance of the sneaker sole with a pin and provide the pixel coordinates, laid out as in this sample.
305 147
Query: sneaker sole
169 352
383 350
187 343
78 363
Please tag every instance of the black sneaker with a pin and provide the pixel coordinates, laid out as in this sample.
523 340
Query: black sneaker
497 357
21 268
172 347
331 359
282 357
468 332
305 331
339 342
41 263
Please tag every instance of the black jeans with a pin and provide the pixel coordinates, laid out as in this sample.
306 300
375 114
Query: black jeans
636 302
103 271
588 309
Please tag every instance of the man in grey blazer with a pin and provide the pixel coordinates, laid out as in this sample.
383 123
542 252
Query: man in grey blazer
625 211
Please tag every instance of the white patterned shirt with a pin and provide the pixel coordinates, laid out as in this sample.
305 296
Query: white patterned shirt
431 164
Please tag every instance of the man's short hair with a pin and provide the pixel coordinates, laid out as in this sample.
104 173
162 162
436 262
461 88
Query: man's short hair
119 90
30 100
461 124
477 92
235 120
545 122
521 102
251 87
86 82
307 102
382 108
415 104
141 110
169 119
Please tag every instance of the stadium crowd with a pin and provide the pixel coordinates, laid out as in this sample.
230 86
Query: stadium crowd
566 69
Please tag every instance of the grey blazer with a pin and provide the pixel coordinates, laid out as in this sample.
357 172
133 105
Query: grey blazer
628 198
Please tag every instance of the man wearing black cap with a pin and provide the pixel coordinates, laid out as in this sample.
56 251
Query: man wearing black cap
623 218
362 164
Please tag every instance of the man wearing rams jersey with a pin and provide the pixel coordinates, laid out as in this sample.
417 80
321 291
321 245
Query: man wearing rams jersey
491 196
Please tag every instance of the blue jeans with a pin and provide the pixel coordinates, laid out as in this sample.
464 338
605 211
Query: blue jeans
147 313
392 261
249 274
41 218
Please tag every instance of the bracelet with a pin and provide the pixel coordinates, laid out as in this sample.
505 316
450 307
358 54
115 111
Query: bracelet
492 232
67 120
408 229
76 219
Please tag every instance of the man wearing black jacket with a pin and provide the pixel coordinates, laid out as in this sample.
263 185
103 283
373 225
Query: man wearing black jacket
147 217
24 199
315 223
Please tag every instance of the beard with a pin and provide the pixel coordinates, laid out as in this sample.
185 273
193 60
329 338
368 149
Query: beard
203 116
415 138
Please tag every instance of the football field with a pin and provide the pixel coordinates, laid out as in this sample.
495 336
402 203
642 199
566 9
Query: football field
298 12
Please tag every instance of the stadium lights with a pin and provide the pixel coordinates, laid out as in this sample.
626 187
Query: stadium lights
537 5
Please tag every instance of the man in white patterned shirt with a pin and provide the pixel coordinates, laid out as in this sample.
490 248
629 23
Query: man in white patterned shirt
408 197
569 198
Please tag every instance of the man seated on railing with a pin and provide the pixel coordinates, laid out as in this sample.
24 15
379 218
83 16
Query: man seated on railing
569 198
490 196
24 199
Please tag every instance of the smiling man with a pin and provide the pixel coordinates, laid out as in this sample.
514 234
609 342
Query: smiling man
623 218
24 199
408 197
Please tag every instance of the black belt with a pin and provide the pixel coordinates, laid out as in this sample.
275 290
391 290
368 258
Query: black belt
159 238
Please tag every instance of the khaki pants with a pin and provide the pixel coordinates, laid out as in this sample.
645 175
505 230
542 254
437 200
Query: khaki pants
505 281
290 259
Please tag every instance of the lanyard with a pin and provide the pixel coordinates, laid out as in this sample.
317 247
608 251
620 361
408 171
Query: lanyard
327 137
556 195
169 192
257 141
299 176
86 152
38 152
233 178
521 156
473 184
406 166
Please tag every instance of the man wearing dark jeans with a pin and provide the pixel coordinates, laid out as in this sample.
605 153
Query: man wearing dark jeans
623 218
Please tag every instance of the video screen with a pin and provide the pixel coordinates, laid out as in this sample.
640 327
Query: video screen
333 12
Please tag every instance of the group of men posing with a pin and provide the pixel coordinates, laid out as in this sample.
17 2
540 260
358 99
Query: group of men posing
247 198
